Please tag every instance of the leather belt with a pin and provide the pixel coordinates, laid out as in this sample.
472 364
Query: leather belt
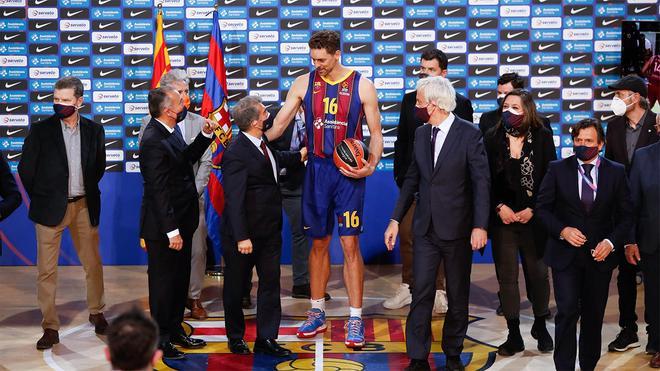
74 199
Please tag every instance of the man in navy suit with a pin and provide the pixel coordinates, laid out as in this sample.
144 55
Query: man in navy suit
584 203
449 172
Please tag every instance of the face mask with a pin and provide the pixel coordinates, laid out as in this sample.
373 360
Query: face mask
512 122
500 100
422 114
619 107
585 153
182 115
63 111
186 102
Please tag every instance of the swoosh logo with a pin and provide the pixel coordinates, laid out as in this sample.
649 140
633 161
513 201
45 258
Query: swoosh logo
199 37
260 61
41 25
7 38
388 154
480 23
111 166
133 38
450 35
105 49
544 47
574 59
578 10
293 72
73 37
606 70
39 2
575 82
136 155
12 132
354 1
605 117
229 73
71 14
262 84
607 22
481 95
574 106
417 1
450 12
513 59
172 48
7 14
109 144
136 61
388 36
74 61
135 14
419 24
417 48
135 131
39 49
9 86
12 109
198 61
416 72
356 24
324 12
306 227
544 94
11 157
544 70
607 94
453 59
510 35
168 25
356 48
292 25
105 121
105 25
385 131
639 10
385 60
231 49
198 84
42 97
102 2
233 96
137 85
227 2
388 106
385 13
479 72
106 73
259 13
482 47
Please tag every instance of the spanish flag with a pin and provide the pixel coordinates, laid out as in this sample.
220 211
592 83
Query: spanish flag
161 57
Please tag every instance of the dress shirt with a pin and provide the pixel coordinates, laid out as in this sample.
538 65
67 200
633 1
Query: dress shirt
73 156
257 142
444 127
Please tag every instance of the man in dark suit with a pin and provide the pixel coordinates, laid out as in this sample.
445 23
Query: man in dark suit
644 249
169 215
631 129
450 178
584 204
433 62
11 197
62 163
252 225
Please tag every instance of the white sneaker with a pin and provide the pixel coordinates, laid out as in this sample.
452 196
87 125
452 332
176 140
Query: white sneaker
440 303
402 298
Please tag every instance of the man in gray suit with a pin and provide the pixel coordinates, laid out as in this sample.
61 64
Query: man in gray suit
190 127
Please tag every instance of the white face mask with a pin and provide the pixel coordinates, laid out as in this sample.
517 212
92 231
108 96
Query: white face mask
619 107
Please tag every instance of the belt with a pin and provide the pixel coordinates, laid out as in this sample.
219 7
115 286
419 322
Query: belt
74 199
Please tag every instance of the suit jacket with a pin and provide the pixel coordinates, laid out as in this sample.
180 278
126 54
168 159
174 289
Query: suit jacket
558 206
291 177
202 168
455 194
490 119
44 169
253 204
645 190
408 123
170 196
615 139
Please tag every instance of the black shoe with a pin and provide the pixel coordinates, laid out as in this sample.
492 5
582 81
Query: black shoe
215 271
238 346
49 338
304 292
454 364
626 339
270 346
246 302
540 333
651 350
514 342
187 342
170 352
418 365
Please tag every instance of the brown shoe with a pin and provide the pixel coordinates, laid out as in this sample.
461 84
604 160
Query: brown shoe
99 322
197 311
49 338
655 361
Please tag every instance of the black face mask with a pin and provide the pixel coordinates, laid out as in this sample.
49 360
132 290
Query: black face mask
585 153
182 115
63 110
500 101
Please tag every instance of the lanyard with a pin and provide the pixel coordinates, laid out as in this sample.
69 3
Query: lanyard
591 184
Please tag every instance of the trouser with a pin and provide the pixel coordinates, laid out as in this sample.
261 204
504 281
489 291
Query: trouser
650 265
292 203
198 257
626 282
86 242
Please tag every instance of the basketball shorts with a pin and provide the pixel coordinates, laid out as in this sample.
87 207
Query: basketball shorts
328 196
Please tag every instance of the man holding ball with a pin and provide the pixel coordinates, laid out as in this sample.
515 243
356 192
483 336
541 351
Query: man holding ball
336 101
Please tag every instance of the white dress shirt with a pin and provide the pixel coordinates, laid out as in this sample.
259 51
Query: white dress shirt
444 127
257 142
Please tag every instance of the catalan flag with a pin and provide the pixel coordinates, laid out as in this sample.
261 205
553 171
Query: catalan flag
161 57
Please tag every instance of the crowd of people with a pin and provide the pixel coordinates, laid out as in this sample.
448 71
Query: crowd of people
460 184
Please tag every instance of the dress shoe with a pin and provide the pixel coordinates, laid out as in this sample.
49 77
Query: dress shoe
49 338
215 271
170 352
514 341
454 364
99 322
540 333
418 365
187 342
655 361
238 346
270 347
246 302
305 292
197 311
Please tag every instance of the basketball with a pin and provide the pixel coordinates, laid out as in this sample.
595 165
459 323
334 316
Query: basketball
349 154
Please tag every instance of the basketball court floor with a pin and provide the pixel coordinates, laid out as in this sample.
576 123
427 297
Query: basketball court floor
126 286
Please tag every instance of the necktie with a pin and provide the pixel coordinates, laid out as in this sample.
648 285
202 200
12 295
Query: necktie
263 149
177 132
587 196
434 134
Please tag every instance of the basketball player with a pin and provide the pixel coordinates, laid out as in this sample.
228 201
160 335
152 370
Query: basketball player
336 101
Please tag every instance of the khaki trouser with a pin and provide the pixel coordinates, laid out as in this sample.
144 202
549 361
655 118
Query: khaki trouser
86 242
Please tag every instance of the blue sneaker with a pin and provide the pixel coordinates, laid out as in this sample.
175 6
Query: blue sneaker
354 333
314 324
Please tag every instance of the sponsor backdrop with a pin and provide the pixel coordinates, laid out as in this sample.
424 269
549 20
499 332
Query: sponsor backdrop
569 50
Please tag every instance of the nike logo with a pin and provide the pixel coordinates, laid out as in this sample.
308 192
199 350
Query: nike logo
172 48
7 14
260 61
480 23
292 1
105 25
135 131
388 106
607 22
12 132
453 58
450 35
105 121
606 70
544 94
71 38
198 84
479 71
324 12
605 117
227 2
259 13
71 14
7 38
111 166
482 47
385 13
639 10
417 1
102 2
481 95
233 96
9 86
417 48
416 72
544 47
168 25
137 85
574 106
104 49
354 1
387 154
356 48
198 61
385 131
229 73
513 59
293 72
12 109
74 61
136 155
578 10
388 36
39 2
106 73
109 144
292 25
450 12
42 97
41 25
385 60
510 35
39 49
575 82
231 49
306 227
606 94
356 24
262 84
544 70
11 157
135 14
133 38
575 59
136 61
419 24
199 37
